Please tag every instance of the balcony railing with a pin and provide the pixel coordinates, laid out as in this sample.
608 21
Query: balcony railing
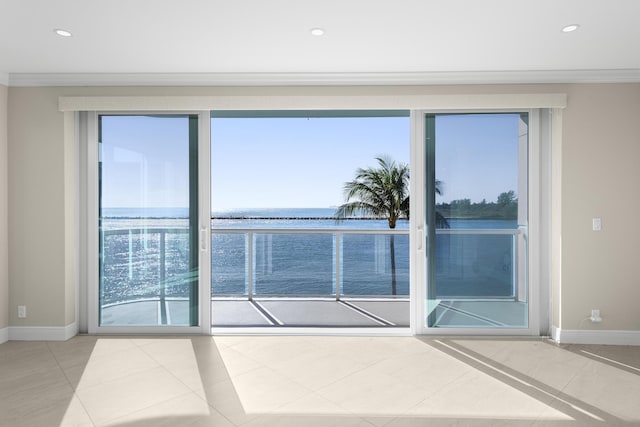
297 262
330 263
480 264
140 263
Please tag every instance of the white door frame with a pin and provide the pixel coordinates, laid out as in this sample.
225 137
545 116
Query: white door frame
204 230
419 105
538 210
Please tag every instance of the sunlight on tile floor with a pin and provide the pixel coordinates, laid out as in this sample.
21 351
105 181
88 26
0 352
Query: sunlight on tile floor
370 377
316 381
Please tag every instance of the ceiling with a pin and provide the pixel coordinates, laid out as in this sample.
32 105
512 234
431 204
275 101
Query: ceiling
365 41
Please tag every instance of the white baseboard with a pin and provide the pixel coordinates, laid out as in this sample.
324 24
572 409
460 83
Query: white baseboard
4 335
581 336
43 333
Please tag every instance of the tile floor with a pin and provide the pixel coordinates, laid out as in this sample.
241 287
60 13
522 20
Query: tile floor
312 381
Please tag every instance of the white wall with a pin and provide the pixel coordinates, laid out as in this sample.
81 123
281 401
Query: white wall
600 150
601 178
37 262
4 224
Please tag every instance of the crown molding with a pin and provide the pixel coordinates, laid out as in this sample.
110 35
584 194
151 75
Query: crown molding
4 79
323 79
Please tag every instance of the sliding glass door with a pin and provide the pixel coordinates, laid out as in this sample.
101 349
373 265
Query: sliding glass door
148 220
460 265
477 217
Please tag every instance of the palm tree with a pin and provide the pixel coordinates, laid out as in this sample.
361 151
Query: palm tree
441 221
381 192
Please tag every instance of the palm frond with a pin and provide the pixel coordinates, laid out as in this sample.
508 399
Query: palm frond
382 191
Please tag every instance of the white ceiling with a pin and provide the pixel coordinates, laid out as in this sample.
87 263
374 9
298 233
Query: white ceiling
366 41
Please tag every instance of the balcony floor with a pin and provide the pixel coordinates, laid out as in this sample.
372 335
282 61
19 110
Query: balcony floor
266 312
292 312
325 313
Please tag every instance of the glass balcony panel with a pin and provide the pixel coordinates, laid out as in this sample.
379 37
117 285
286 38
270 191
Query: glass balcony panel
479 280
367 267
294 264
149 267
176 262
228 264
474 265
130 265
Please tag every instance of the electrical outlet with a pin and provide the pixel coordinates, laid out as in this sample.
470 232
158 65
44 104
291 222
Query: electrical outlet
22 311
595 316
597 224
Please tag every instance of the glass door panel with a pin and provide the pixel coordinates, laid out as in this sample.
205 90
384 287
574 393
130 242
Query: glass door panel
283 252
148 220
477 212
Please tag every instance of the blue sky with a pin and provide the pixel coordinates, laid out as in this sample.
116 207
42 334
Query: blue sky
298 162
145 162
476 156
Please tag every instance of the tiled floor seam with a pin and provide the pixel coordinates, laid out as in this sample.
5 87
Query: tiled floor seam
192 391
74 388
292 378
556 396
210 405
433 393
310 391
124 416
562 393
64 372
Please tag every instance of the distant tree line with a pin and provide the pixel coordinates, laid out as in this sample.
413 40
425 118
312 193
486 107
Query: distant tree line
505 207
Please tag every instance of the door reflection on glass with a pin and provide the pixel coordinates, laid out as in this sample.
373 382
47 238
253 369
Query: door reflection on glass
477 207
148 220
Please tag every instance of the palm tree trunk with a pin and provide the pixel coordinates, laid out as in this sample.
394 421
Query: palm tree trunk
392 251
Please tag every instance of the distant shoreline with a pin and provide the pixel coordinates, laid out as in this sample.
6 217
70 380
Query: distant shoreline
310 218
302 218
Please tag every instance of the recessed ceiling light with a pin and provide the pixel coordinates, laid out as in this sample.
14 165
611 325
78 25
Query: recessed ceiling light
317 31
62 33
570 28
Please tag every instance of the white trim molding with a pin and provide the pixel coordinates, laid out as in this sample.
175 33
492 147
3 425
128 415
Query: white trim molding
43 333
323 79
4 335
582 336
4 79
313 102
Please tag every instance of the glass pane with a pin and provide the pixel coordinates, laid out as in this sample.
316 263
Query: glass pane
375 265
472 265
228 264
294 264
148 221
477 267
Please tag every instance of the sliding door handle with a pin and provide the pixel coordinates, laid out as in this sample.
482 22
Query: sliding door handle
203 239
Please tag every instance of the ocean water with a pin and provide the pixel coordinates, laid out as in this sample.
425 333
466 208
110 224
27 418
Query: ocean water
278 218
147 252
